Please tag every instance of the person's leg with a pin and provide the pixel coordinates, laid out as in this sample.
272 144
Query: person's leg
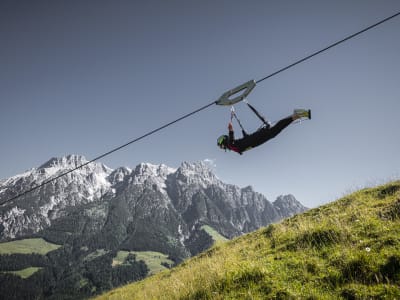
282 124
278 127
267 133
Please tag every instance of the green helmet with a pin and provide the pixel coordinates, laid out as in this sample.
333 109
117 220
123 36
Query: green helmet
222 140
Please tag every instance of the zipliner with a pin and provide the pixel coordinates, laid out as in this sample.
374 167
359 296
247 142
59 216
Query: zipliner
265 133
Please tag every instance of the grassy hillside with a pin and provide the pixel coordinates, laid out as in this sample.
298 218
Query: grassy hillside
24 273
155 261
27 246
217 238
349 249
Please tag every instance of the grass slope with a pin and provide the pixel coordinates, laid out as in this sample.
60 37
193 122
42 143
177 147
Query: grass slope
27 246
155 261
215 235
25 273
349 249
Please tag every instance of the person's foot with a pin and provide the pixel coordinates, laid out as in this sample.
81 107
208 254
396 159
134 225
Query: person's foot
302 113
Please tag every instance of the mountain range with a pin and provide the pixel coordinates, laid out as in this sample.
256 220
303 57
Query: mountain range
96 211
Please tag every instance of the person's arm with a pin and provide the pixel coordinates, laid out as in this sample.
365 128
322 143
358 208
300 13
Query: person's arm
231 133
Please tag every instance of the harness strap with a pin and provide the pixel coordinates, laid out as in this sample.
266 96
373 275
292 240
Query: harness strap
257 113
233 115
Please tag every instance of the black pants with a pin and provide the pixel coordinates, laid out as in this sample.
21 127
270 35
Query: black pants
262 135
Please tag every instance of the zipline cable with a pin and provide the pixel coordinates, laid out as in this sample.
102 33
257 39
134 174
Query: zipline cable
107 153
329 47
195 111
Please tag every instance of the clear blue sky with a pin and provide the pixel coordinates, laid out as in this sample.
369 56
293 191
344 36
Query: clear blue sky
83 77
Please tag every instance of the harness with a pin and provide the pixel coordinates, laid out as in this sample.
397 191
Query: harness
262 118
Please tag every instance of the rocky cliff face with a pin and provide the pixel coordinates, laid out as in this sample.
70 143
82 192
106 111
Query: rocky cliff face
152 207
35 211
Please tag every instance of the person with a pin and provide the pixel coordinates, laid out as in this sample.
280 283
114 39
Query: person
265 133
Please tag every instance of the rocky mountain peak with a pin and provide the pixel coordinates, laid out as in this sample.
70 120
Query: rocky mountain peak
118 175
147 171
196 173
287 206
71 161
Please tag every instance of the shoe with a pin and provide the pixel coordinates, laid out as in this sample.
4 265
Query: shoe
302 113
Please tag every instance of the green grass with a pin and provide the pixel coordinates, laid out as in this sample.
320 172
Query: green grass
27 246
349 249
214 234
25 273
153 260
95 254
